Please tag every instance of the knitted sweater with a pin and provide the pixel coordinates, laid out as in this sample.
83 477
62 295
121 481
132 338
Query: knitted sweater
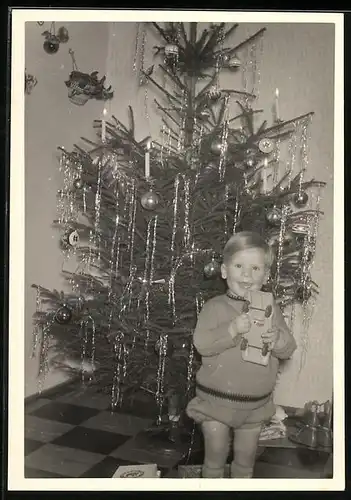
223 368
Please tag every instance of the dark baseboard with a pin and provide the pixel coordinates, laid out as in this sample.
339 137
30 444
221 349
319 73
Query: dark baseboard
51 391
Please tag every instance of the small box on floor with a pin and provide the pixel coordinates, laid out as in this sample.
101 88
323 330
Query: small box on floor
136 471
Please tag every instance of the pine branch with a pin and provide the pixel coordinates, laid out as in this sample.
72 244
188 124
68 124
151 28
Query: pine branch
230 31
213 39
247 41
288 122
170 96
162 32
173 77
183 32
239 92
166 112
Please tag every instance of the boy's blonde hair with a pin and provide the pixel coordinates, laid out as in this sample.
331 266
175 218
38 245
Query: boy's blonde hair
243 241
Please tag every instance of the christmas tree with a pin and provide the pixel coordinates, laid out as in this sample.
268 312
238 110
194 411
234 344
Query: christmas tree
147 220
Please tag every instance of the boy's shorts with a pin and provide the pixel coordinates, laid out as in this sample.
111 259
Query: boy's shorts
208 408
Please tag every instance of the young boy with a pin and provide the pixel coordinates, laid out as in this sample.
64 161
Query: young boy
230 392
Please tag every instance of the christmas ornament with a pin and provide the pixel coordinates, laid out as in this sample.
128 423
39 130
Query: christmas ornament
169 348
233 63
214 93
82 86
78 184
62 34
217 146
266 145
63 315
250 162
300 199
301 228
29 83
204 114
51 44
171 54
171 49
73 238
212 269
303 293
149 200
273 216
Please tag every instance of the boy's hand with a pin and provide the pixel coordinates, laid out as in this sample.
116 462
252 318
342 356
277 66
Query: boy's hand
242 324
271 336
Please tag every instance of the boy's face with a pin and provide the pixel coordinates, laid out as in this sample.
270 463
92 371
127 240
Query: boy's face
246 271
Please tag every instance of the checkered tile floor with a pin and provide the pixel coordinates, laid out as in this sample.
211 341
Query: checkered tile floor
75 434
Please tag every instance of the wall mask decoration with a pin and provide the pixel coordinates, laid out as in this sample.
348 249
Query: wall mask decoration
29 82
83 86
53 38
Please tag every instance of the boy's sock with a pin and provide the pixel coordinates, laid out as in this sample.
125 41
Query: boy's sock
239 471
212 473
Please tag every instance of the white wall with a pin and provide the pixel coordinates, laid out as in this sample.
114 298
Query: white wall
52 121
297 58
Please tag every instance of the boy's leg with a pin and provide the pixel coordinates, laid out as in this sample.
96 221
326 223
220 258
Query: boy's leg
216 440
245 448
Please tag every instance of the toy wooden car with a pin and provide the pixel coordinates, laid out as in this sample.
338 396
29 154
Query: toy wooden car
259 307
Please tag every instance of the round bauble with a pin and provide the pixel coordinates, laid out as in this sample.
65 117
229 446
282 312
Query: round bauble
78 184
63 315
274 216
62 34
212 269
266 145
303 293
214 93
51 45
300 199
234 63
73 238
218 146
149 200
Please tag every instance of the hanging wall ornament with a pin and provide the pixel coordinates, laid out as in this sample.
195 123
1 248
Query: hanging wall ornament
266 145
52 41
29 82
82 86
62 34
63 315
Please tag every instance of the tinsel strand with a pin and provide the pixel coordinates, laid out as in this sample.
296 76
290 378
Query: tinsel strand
175 215
161 374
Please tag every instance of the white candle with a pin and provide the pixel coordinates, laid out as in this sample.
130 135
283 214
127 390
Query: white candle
264 176
147 159
276 106
103 126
